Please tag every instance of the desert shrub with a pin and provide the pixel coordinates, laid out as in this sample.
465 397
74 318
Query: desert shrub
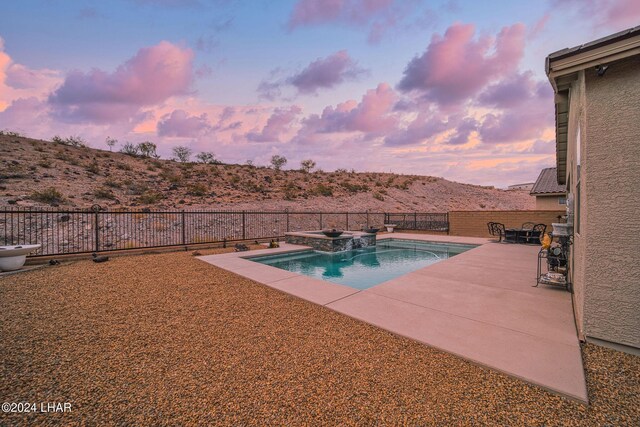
181 153
137 189
323 190
104 193
235 179
112 183
354 188
147 149
150 197
277 162
72 141
382 191
61 155
111 142
123 166
207 158
378 196
7 132
307 165
49 195
129 149
44 163
93 168
341 170
198 190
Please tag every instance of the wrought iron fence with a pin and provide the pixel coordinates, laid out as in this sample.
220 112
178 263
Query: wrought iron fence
419 221
96 230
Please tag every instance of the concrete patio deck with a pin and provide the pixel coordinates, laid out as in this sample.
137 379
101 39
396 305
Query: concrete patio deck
479 305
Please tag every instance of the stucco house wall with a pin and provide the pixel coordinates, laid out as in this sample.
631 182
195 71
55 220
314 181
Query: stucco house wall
544 203
576 121
609 245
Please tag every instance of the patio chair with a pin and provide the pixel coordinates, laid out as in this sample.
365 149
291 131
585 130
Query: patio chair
528 226
490 227
536 233
498 230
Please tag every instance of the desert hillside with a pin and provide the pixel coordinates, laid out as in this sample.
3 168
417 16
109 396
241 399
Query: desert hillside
44 173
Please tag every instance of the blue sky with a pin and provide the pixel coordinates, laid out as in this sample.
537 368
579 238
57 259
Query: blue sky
338 74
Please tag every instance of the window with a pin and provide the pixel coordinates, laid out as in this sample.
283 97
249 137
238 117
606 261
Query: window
562 200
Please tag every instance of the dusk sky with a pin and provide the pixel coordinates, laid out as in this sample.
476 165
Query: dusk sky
446 88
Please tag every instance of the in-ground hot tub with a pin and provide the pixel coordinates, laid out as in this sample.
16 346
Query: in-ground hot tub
14 257
345 242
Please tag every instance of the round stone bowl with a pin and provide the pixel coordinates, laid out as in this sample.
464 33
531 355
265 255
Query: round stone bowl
13 257
332 233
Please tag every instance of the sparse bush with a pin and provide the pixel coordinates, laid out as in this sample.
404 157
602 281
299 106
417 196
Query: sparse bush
111 142
137 189
278 161
354 188
50 195
207 158
378 196
307 165
93 168
123 166
104 193
198 190
112 183
129 149
323 190
7 132
150 197
44 163
181 153
72 141
147 149
341 170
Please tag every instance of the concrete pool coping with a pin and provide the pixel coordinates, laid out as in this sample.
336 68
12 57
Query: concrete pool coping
479 305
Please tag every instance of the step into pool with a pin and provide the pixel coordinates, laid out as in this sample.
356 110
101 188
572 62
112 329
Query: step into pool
366 267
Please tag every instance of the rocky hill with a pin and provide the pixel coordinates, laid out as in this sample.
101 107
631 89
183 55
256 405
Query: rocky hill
44 173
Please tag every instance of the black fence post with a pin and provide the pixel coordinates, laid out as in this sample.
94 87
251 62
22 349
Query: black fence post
415 220
184 229
95 223
321 220
347 213
244 226
367 218
287 213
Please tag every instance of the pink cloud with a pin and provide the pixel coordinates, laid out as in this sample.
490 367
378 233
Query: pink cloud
326 73
308 12
456 66
152 76
277 125
179 123
371 115
617 14
323 73
527 106
423 127
463 131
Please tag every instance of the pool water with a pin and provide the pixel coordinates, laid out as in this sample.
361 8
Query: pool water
366 267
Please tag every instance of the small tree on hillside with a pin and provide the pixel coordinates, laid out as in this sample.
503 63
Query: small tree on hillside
130 149
111 142
207 158
307 165
278 162
182 153
148 149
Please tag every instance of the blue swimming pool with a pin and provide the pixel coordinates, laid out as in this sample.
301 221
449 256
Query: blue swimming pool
366 267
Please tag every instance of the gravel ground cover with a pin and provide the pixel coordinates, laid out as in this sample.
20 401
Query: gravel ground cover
169 340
